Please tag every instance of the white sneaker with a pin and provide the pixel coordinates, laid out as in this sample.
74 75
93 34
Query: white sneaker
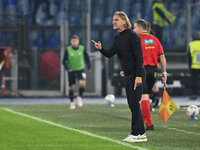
136 138
79 101
127 137
72 105
143 137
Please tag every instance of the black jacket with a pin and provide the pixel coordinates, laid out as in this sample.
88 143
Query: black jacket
127 46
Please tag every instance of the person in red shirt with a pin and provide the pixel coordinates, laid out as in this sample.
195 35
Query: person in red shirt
152 51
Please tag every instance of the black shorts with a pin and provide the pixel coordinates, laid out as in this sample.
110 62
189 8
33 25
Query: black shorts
151 73
79 75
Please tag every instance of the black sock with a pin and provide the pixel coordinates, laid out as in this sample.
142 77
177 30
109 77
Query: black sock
81 90
71 95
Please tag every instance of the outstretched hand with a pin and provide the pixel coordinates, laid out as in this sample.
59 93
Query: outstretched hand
97 45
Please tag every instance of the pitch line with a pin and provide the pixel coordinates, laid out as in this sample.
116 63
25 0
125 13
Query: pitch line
75 130
178 130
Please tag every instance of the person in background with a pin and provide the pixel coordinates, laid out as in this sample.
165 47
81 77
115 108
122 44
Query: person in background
194 64
127 46
161 18
36 6
74 62
152 51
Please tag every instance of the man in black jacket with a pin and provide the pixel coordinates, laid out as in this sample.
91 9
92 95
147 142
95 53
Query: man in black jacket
127 46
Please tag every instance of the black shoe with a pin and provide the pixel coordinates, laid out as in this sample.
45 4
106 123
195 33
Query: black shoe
193 97
149 128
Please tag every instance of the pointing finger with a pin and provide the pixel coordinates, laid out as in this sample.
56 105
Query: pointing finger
135 86
94 42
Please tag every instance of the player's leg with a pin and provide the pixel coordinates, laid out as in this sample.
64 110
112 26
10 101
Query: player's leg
82 85
133 97
194 77
145 103
152 79
143 106
144 98
71 79
154 95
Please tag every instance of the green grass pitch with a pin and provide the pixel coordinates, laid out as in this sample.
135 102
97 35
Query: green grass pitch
18 132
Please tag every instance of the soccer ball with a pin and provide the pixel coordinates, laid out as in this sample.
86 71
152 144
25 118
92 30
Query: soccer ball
192 111
110 98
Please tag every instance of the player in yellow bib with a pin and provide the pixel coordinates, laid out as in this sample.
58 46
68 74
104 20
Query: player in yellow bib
194 64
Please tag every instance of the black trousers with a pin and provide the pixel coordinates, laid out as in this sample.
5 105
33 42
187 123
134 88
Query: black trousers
195 76
133 98
151 73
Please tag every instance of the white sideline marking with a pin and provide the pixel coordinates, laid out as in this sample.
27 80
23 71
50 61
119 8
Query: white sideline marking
76 130
179 130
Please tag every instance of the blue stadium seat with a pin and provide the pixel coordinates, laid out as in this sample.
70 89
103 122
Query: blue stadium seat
23 7
8 3
146 10
98 10
76 5
107 35
125 6
60 17
111 7
10 8
75 18
94 35
33 36
38 42
102 13
52 42
133 11
52 39
1 9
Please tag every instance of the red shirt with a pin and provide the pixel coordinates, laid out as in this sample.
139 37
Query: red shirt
151 49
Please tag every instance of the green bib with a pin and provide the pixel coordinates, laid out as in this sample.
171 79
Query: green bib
76 58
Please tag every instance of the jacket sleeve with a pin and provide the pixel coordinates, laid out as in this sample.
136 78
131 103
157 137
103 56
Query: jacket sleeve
87 59
137 52
65 60
110 52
